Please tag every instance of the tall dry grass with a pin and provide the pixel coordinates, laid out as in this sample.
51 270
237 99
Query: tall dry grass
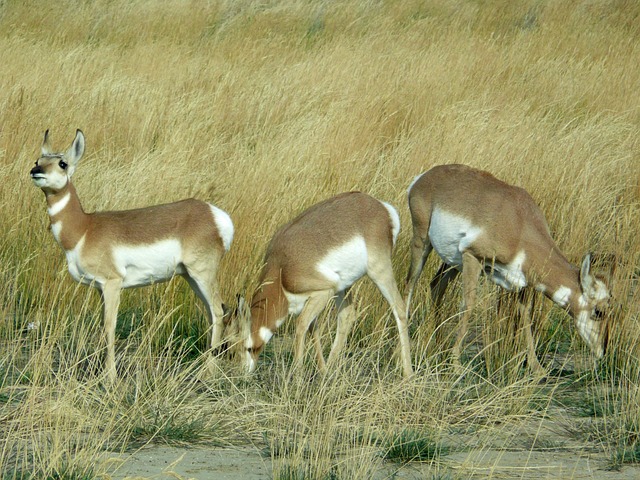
265 108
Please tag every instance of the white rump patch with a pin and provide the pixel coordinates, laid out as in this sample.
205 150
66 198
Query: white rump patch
57 207
561 296
146 264
395 220
224 224
265 334
345 264
451 235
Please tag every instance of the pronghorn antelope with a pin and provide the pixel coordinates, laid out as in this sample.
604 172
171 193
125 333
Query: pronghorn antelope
477 223
320 255
115 250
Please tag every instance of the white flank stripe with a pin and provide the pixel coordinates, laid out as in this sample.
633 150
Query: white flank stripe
57 207
224 224
345 264
140 265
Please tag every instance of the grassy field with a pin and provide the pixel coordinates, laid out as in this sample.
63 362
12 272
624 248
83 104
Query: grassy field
264 108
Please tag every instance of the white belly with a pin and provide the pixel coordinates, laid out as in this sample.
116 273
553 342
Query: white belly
146 264
345 264
451 235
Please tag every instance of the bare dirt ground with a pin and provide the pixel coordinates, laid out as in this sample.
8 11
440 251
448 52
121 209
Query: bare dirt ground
553 445
536 450
164 463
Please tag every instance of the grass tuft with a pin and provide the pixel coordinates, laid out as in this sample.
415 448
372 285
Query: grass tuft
413 446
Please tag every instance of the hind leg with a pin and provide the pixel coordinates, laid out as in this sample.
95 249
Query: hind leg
346 318
438 286
381 273
204 284
420 250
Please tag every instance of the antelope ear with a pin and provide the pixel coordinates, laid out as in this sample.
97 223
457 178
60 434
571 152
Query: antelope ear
75 152
586 280
46 146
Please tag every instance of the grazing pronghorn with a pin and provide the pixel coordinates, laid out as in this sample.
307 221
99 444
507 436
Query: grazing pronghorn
477 223
115 250
317 256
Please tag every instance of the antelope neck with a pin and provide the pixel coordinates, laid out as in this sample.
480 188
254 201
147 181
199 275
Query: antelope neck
68 219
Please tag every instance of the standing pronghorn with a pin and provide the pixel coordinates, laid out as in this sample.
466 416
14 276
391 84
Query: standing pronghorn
319 255
115 250
477 223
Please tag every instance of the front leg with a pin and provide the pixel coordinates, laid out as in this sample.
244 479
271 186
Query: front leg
111 302
310 311
526 302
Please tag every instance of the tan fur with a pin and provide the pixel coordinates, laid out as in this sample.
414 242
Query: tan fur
511 223
290 265
92 237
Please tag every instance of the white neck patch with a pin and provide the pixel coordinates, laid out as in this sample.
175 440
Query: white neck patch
57 207
56 228
561 296
265 334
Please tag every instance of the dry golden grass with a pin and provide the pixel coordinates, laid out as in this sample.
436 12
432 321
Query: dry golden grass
265 108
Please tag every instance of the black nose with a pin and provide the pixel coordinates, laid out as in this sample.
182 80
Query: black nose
36 170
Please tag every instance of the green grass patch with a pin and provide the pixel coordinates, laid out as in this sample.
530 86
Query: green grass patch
414 446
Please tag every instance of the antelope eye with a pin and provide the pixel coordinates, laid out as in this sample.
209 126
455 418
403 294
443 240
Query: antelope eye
63 164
